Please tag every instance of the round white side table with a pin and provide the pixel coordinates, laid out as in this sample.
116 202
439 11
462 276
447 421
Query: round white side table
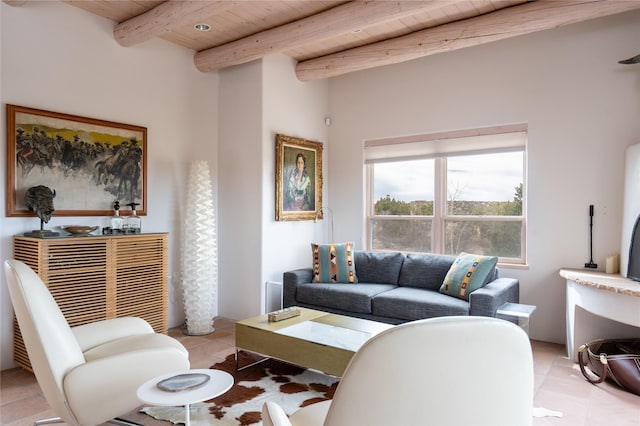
219 382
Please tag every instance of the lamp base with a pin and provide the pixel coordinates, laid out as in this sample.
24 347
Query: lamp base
591 265
199 329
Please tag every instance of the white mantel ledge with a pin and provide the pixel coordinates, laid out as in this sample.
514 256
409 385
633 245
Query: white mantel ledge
602 281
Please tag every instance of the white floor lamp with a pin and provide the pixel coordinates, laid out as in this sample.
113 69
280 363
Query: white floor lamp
199 253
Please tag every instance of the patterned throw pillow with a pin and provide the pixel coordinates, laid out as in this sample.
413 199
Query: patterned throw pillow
468 273
333 263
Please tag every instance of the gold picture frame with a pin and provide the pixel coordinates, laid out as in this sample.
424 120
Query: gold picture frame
298 190
90 163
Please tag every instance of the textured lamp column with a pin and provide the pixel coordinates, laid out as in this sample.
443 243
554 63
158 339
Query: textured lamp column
199 253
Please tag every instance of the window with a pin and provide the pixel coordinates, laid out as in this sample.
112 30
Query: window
449 193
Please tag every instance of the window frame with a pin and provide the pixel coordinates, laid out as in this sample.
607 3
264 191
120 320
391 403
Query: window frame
440 214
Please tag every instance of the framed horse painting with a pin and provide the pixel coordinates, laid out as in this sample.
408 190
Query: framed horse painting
88 163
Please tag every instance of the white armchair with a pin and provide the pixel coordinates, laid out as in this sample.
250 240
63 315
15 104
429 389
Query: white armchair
88 374
439 371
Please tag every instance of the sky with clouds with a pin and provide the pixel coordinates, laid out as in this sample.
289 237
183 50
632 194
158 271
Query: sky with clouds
489 177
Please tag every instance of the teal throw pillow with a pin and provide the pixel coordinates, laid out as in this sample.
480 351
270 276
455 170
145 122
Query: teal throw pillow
468 273
333 263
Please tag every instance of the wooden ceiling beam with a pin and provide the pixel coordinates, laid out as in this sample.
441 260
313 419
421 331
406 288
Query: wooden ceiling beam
509 22
345 18
165 17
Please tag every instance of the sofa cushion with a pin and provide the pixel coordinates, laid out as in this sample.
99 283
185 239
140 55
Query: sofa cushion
468 273
378 267
333 263
352 298
412 303
425 270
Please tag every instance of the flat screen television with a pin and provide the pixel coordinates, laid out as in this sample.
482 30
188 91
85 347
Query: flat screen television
633 271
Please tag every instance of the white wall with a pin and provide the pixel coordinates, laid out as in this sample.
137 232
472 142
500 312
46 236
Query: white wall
298 109
240 198
60 58
582 109
258 100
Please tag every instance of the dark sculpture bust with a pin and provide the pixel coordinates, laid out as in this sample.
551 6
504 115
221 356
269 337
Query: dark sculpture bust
39 199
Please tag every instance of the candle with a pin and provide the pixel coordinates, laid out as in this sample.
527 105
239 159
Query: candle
613 264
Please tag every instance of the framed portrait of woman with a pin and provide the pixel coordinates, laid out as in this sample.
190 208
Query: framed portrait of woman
298 178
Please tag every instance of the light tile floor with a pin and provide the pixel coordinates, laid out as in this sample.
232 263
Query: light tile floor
559 386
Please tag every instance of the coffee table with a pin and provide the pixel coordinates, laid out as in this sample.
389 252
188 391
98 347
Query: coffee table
219 382
314 339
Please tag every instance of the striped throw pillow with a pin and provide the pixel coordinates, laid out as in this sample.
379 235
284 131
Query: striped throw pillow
468 273
333 263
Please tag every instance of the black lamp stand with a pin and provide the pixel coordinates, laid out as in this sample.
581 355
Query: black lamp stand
590 264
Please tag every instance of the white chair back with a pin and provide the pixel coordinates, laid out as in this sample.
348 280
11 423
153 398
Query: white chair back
439 371
52 348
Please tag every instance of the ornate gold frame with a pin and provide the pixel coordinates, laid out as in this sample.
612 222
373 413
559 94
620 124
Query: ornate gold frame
287 150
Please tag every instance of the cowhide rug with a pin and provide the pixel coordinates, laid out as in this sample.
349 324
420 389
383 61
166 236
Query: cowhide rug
291 387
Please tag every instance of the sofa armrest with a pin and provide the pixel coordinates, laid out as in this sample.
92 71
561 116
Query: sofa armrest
486 300
290 281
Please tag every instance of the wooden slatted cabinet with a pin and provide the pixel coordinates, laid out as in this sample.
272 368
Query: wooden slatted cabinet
99 277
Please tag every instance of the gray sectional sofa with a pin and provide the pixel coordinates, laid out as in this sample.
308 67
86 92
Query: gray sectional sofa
396 288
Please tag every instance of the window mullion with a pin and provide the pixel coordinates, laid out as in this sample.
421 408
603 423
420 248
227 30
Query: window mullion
439 205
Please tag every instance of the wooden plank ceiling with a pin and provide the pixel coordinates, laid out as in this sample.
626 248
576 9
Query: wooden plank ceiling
330 38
